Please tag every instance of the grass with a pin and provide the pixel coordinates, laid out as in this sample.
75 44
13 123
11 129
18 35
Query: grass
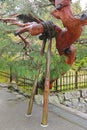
4 79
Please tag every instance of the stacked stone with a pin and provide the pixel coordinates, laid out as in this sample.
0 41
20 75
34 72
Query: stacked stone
74 99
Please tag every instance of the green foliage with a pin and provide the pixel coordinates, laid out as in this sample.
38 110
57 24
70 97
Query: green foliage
76 7
58 66
12 54
81 57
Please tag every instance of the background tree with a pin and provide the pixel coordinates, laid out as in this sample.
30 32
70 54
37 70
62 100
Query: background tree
76 7
14 55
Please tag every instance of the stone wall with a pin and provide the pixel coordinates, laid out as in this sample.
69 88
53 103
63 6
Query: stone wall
74 99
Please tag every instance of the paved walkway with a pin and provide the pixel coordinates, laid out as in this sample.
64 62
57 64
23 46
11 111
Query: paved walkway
12 115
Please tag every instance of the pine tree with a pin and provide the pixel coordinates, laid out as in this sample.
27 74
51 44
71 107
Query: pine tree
14 55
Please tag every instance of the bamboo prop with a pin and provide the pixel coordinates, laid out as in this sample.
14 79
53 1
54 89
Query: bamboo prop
43 47
30 106
44 122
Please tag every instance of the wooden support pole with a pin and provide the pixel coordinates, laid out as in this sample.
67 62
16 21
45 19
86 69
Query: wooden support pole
30 106
46 89
43 46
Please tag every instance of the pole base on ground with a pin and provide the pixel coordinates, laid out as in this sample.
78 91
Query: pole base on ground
44 125
28 115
